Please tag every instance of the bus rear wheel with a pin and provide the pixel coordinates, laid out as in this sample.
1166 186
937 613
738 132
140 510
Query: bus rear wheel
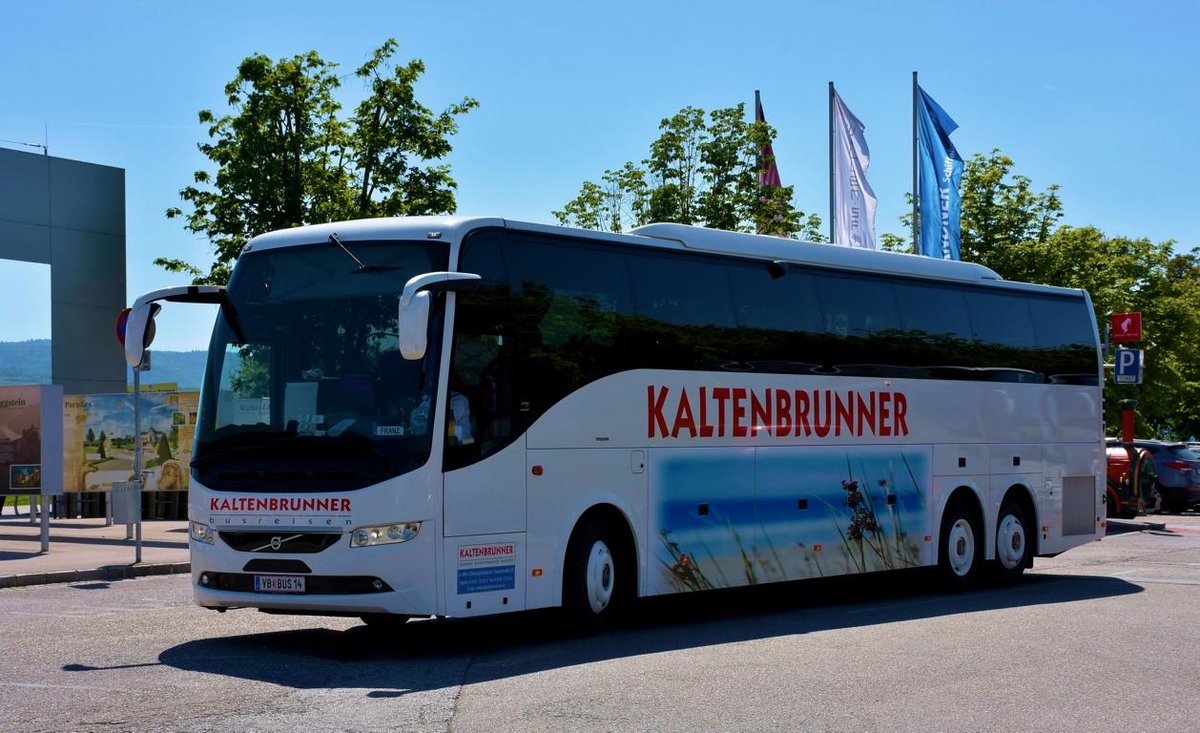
959 546
596 584
1013 546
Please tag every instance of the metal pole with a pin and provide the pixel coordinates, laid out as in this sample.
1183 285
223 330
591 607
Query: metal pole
45 501
832 210
758 161
916 167
137 453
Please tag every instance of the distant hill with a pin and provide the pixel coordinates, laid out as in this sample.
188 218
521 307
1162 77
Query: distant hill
28 362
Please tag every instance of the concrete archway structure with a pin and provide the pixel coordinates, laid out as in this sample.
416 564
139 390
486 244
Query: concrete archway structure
70 215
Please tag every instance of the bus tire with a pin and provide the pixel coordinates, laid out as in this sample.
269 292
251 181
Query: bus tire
597 579
960 546
1014 545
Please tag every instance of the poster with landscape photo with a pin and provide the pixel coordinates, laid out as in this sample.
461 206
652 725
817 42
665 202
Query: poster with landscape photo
100 440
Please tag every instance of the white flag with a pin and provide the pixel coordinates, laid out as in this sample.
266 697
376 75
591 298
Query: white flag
854 201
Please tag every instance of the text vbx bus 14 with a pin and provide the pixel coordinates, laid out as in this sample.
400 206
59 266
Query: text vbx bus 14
453 416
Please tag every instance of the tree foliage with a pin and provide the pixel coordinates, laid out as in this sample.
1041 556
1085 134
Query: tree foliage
285 157
702 169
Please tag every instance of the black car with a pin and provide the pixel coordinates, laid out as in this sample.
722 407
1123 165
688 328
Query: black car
1177 472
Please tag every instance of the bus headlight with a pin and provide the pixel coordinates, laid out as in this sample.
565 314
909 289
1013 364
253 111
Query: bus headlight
202 533
384 534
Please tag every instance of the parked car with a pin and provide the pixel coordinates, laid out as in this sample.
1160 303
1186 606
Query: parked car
1122 501
1176 472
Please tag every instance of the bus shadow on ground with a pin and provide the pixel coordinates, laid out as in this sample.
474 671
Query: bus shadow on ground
437 653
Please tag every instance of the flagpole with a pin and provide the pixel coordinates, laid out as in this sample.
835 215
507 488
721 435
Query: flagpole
916 180
758 156
832 210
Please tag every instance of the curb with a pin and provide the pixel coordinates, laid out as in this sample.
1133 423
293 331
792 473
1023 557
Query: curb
108 572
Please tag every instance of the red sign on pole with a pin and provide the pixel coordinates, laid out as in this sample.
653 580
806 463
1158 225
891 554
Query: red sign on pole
121 321
1127 326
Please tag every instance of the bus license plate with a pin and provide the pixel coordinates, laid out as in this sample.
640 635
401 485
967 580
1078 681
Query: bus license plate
278 583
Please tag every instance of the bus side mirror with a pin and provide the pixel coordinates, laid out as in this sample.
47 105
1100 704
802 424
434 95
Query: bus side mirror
139 332
414 326
413 318
138 329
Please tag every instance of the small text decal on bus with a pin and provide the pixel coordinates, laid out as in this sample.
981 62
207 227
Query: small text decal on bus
740 412
484 568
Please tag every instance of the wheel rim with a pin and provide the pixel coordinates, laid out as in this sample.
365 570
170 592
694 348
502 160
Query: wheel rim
960 547
601 572
1010 542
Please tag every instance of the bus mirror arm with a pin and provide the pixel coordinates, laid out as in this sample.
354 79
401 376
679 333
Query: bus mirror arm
139 328
413 318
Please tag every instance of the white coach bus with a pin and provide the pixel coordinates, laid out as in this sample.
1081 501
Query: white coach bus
463 416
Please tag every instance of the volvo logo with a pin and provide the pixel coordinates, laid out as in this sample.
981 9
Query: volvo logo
276 543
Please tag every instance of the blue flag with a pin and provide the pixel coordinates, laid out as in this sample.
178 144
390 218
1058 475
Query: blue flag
941 172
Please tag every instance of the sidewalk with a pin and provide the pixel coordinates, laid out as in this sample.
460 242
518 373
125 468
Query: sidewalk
84 549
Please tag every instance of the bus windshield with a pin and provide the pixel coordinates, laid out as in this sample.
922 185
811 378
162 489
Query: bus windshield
305 389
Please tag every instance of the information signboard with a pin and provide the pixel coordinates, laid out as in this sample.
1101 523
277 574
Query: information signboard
31 439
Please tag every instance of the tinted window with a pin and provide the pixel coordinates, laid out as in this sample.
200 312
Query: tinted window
556 313
1000 319
543 324
779 319
857 307
1065 340
305 362
932 310
682 291
787 303
937 330
860 323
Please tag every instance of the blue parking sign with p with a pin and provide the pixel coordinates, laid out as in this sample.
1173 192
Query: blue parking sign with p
1128 366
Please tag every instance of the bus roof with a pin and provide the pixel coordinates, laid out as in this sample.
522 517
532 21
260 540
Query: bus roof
451 229
791 250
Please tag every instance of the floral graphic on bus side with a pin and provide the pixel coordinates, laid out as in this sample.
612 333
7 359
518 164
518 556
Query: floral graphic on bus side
805 512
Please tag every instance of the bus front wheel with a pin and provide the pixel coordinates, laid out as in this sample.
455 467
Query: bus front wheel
960 545
596 582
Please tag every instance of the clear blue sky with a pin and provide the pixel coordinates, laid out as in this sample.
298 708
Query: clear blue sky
1099 96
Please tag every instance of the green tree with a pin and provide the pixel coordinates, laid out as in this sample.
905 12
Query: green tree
1002 214
91 436
702 169
284 157
103 448
163 449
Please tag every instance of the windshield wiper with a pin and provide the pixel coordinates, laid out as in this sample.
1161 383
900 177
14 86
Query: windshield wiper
361 267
